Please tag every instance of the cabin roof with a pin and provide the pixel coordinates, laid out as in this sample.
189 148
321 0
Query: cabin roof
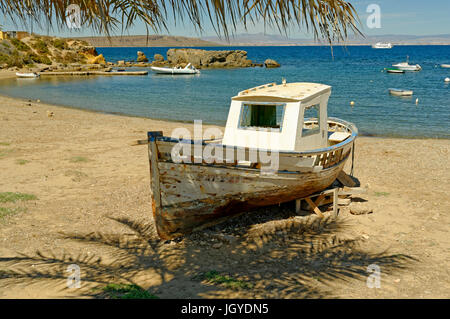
289 92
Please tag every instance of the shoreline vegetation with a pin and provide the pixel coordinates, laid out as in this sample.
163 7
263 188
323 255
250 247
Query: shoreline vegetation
90 205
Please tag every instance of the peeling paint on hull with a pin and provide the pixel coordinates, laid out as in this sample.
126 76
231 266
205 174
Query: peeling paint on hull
181 218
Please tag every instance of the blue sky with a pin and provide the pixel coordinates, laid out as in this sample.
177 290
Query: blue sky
412 17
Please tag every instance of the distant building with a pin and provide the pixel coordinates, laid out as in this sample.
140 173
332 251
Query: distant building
13 35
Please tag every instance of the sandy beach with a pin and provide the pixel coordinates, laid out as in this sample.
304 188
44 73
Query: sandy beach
92 209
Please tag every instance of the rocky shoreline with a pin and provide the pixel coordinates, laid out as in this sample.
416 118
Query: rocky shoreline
201 59
48 54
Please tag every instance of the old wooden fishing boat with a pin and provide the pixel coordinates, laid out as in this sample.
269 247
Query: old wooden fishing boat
279 145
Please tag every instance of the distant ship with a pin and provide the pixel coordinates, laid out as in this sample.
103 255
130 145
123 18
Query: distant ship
381 45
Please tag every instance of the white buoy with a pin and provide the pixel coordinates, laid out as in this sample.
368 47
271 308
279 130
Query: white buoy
447 80
352 103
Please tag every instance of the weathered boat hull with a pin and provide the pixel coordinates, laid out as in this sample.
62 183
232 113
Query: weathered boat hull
191 196
204 206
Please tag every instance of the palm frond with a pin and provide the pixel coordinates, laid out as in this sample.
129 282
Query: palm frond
331 20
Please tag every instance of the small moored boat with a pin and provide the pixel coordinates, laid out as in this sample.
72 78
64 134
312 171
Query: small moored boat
393 70
279 145
188 69
445 66
381 45
400 92
405 66
27 75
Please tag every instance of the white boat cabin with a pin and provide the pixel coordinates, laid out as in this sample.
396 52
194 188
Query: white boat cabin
272 117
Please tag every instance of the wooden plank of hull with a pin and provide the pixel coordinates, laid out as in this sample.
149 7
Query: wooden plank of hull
287 161
196 196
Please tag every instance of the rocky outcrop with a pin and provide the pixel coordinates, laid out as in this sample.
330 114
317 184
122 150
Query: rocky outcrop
87 50
99 59
269 63
158 58
209 59
141 57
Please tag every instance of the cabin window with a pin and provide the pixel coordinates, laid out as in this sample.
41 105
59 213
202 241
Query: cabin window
312 112
268 116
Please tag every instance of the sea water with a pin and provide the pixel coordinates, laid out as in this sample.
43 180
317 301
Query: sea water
356 73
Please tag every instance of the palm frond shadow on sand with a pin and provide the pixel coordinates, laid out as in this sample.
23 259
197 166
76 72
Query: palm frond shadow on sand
278 255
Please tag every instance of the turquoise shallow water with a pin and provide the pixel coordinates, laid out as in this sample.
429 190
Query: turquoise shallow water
355 73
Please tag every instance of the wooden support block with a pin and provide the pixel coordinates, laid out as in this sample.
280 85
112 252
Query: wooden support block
298 204
352 191
346 180
335 200
344 201
315 208
327 200
319 199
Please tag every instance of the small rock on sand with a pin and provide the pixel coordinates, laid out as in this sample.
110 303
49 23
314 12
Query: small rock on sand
360 209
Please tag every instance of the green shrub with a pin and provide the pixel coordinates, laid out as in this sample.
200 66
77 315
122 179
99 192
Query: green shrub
4 58
12 60
72 57
6 211
34 58
10 197
214 277
40 46
60 44
21 46
126 291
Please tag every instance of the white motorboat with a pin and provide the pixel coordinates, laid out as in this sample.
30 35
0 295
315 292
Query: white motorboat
400 92
188 69
381 45
27 75
445 66
405 66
